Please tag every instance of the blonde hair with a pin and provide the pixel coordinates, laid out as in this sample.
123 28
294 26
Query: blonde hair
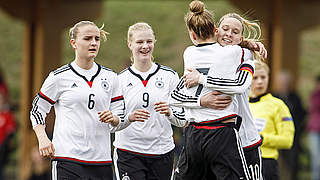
251 30
74 31
200 20
261 65
140 26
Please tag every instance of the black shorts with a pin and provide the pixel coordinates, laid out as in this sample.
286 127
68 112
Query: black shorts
270 169
254 162
138 166
211 152
64 170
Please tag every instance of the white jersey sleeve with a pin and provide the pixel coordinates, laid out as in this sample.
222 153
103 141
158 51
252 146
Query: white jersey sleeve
44 100
239 84
177 116
179 98
117 106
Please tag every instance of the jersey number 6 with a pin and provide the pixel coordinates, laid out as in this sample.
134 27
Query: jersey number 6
91 101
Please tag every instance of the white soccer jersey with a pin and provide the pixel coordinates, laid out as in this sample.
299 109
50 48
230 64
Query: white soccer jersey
142 91
248 132
225 61
78 134
219 78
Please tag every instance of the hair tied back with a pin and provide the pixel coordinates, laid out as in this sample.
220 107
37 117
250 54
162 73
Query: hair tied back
196 7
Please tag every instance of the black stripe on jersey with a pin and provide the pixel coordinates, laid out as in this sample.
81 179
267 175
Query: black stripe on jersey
40 94
179 115
34 111
179 96
61 69
126 69
83 77
166 68
182 97
122 116
149 76
180 84
204 44
115 99
98 71
105 68
243 75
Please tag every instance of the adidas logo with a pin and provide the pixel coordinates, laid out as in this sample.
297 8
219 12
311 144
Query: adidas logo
130 84
74 85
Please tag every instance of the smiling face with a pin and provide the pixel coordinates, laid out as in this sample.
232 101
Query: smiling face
229 32
87 42
142 44
259 82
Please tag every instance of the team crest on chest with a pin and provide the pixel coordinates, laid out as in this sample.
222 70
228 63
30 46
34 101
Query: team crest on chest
104 84
159 83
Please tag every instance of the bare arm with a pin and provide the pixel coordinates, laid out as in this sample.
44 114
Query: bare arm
45 145
215 100
255 46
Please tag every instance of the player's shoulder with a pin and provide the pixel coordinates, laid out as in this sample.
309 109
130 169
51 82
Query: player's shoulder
103 68
107 70
61 70
189 49
167 69
247 54
123 72
232 47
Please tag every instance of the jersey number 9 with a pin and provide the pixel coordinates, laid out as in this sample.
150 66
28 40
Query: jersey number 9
145 98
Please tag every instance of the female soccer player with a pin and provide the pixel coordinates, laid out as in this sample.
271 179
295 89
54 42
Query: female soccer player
144 150
219 153
230 31
273 120
85 95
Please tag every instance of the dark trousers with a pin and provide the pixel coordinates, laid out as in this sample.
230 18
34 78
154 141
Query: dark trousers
211 151
270 169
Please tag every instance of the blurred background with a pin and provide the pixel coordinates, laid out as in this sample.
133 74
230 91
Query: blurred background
34 40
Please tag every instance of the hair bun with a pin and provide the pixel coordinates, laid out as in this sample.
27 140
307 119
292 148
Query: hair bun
196 7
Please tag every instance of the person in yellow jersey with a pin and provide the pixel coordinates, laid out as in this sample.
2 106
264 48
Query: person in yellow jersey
272 119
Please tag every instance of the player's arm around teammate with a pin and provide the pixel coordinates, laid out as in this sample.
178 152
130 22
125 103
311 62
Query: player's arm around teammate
230 32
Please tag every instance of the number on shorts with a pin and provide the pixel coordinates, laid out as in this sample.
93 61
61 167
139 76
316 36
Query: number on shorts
255 171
